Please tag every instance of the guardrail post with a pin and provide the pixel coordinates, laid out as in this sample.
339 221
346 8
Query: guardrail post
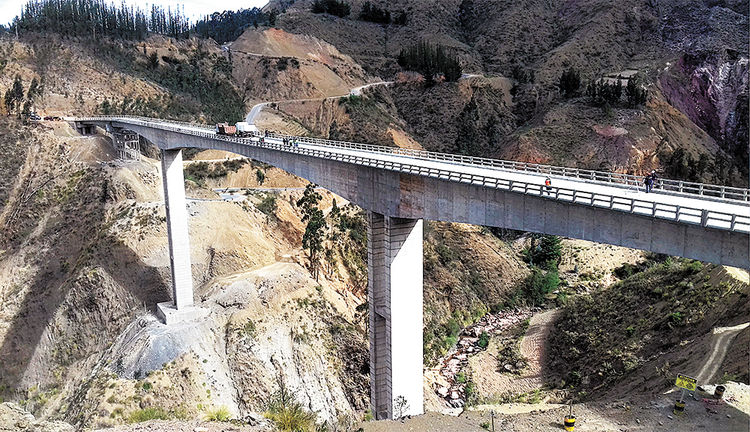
704 217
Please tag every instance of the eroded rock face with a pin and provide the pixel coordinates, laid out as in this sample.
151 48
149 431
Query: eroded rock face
707 88
13 418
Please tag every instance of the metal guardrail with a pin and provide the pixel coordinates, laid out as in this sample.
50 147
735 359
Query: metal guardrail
702 217
617 179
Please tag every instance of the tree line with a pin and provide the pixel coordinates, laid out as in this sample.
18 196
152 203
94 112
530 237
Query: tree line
373 13
604 93
338 8
96 18
430 60
370 12
229 25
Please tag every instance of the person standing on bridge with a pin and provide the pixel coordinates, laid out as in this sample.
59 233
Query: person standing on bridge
548 185
649 182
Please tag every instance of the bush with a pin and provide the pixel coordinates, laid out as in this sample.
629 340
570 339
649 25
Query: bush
268 205
626 270
484 340
220 414
401 19
570 82
287 414
538 284
147 414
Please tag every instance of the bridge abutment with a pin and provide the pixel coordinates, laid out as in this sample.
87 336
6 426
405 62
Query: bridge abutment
394 261
181 308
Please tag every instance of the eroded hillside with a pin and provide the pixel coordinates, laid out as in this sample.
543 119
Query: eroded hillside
694 112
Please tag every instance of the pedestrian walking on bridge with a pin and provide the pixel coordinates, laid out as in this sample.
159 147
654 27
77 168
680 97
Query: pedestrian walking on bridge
548 185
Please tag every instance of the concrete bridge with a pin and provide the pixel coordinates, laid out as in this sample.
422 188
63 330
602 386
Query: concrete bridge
399 188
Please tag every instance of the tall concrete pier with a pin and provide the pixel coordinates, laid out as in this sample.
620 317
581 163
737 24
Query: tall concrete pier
394 263
179 240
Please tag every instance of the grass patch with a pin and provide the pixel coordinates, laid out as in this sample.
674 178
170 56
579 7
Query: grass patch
147 414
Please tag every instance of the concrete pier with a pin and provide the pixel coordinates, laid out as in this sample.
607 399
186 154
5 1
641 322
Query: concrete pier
394 261
179 242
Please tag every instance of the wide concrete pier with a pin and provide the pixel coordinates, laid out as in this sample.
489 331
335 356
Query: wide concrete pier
394 264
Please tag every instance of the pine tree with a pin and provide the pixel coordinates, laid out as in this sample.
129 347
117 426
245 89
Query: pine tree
635 93
570 82
14 97
312 239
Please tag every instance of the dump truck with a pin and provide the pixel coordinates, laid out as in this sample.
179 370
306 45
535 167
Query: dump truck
225 129
245 129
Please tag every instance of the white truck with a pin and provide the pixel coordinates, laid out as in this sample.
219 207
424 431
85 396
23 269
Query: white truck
246 129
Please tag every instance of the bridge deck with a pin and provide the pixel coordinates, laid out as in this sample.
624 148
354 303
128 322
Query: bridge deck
628 196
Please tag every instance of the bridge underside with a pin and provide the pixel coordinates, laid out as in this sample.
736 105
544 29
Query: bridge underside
397 203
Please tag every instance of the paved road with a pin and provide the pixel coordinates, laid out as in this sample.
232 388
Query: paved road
356 91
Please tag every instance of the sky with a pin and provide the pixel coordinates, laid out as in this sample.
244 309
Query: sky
193 8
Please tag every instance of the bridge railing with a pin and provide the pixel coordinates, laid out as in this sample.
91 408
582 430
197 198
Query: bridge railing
616 179
685 214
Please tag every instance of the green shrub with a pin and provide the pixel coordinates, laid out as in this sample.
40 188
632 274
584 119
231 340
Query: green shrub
286 413
625 271
676 317
220 414
268 205
694 266
249 328
630 331
147 414
538 284
484 340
